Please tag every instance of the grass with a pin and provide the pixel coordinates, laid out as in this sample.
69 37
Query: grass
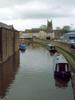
67 52
69 56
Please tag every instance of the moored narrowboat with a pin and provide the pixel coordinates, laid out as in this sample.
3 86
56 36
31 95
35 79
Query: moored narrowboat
62 68
22 47
51 49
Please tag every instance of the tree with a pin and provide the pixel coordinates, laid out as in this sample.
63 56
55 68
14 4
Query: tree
58 28
66 28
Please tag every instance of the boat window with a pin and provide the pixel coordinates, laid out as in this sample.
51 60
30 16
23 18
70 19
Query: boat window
53 48
66 67
62 67
57 67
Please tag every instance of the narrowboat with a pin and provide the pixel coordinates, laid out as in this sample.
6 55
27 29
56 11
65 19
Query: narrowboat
52 49
62 68
22 47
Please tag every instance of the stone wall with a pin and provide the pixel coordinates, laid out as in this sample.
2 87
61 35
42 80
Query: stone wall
8 70
9 43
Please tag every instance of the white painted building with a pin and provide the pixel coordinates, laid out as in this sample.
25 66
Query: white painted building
42 35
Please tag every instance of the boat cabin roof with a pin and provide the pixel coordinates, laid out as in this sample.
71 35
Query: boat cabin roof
60 59
51 45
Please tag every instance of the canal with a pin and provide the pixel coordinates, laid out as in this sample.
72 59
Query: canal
33 78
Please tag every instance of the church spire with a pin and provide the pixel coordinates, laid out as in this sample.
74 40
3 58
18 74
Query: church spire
49 26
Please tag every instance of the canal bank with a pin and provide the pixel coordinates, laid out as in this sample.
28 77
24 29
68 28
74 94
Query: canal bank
69 54
71 59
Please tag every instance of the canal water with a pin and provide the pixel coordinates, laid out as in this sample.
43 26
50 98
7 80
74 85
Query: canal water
32 78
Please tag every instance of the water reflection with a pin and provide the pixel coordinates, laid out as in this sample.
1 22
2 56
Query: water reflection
61 83
8 70
34 80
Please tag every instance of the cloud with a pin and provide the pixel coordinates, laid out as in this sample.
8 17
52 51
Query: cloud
36 9
6 3
11 3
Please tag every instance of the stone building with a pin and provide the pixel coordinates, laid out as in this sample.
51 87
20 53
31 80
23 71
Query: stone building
42 35
49 27
56 34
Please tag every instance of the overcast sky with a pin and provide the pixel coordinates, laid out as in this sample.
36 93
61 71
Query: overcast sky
33 13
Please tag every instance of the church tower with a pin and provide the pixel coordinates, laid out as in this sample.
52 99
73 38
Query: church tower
49 26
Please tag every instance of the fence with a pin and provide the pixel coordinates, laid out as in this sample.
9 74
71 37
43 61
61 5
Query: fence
9 41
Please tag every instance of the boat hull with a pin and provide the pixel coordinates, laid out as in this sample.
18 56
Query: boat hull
22 47
62 75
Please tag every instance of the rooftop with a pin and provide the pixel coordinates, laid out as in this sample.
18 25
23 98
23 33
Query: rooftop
60 59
